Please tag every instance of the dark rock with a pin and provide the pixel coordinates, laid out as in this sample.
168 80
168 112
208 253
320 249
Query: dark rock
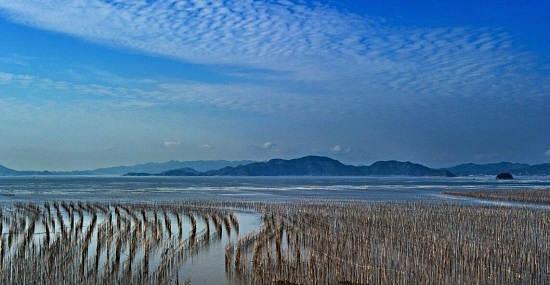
505 176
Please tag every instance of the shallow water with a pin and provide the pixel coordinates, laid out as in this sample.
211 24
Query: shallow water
40 188
208 267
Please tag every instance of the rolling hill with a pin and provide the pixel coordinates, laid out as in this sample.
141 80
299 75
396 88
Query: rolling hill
320 166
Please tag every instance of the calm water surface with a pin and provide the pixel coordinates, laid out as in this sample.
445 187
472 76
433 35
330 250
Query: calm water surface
40 188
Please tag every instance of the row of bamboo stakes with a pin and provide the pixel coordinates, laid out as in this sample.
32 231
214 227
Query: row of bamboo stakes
353 243
106 243
298 243
536 196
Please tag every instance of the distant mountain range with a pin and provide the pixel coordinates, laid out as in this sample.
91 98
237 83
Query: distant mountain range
151 167
7 171
486 169
519 169
305 166
157 167
4 171
312 166
535 170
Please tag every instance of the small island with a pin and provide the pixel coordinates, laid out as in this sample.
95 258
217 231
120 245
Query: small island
505 176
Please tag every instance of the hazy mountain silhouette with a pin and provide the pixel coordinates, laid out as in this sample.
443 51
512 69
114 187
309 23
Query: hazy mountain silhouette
486 169
534 170
144 168
305 166
158 167
321 166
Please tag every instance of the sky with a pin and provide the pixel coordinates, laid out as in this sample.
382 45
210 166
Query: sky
93 83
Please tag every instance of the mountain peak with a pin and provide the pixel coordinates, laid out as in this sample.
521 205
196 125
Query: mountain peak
316 158
325 166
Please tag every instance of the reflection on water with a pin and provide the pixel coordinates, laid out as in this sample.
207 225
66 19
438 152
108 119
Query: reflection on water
208 267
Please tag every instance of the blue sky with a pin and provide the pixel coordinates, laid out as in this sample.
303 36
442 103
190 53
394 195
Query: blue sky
93 83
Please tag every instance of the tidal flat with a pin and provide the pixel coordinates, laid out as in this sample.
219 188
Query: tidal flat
395 243
535 196
308 242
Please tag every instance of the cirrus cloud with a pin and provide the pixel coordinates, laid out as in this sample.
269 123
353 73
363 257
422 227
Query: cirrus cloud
305 40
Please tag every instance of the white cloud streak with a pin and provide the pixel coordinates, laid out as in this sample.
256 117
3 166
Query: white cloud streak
353 54
337 149
205 146
171 144
268 145
231 96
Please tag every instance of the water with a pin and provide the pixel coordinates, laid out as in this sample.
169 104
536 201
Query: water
208 267
41 188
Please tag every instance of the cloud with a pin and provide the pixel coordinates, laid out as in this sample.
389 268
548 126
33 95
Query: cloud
339 149
547 152
153 93
206 146
15 59
268 145
10 78
171 144
303 41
